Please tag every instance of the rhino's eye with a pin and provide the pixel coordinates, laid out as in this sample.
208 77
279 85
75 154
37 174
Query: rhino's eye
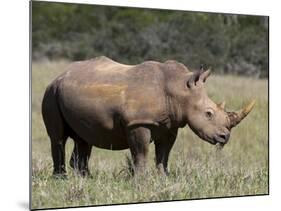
209 114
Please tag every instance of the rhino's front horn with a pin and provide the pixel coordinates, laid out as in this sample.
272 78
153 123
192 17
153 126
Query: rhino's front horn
236 117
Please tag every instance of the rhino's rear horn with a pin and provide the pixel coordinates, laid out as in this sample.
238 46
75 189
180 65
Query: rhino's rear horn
236 117
221 105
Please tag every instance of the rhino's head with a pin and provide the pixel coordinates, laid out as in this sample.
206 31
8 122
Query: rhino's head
210 121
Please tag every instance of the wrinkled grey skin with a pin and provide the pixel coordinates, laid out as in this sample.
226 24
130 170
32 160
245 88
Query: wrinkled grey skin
102 103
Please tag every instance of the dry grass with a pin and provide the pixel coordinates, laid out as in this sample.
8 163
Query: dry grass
197 170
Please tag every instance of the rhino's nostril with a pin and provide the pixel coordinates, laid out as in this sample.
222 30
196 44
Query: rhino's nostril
224 136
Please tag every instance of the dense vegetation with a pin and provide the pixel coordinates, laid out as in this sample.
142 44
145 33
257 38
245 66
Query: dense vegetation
235 44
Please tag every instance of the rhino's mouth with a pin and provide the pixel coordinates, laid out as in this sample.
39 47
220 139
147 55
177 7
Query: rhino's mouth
217 140
219 145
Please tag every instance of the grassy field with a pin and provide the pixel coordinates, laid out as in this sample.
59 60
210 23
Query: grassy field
197 170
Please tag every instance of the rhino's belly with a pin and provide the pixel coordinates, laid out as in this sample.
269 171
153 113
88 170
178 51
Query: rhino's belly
106 135
99 126
103 138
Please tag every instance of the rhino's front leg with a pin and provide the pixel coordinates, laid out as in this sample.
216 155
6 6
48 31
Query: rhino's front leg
138 140
163 147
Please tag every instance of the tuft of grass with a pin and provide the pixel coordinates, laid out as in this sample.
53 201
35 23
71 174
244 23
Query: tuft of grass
197 169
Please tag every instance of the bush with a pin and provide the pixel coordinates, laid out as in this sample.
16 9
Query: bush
228 43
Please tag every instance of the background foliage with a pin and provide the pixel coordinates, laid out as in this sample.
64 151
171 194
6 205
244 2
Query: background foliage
236 44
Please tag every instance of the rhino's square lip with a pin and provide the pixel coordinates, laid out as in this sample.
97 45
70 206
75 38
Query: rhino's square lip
219 140
210 140
215 140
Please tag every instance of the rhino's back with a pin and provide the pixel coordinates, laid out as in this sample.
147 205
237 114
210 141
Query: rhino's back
98 70
106 83
98 97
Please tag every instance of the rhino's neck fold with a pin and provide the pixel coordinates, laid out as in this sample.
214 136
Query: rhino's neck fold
174 109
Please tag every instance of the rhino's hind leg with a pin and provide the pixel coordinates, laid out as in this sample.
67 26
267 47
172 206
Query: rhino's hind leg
138 140
58 141
80 156
163 147
56 129
58 155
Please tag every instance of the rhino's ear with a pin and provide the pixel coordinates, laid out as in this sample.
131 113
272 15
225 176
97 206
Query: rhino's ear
193 79
198 77
205 75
